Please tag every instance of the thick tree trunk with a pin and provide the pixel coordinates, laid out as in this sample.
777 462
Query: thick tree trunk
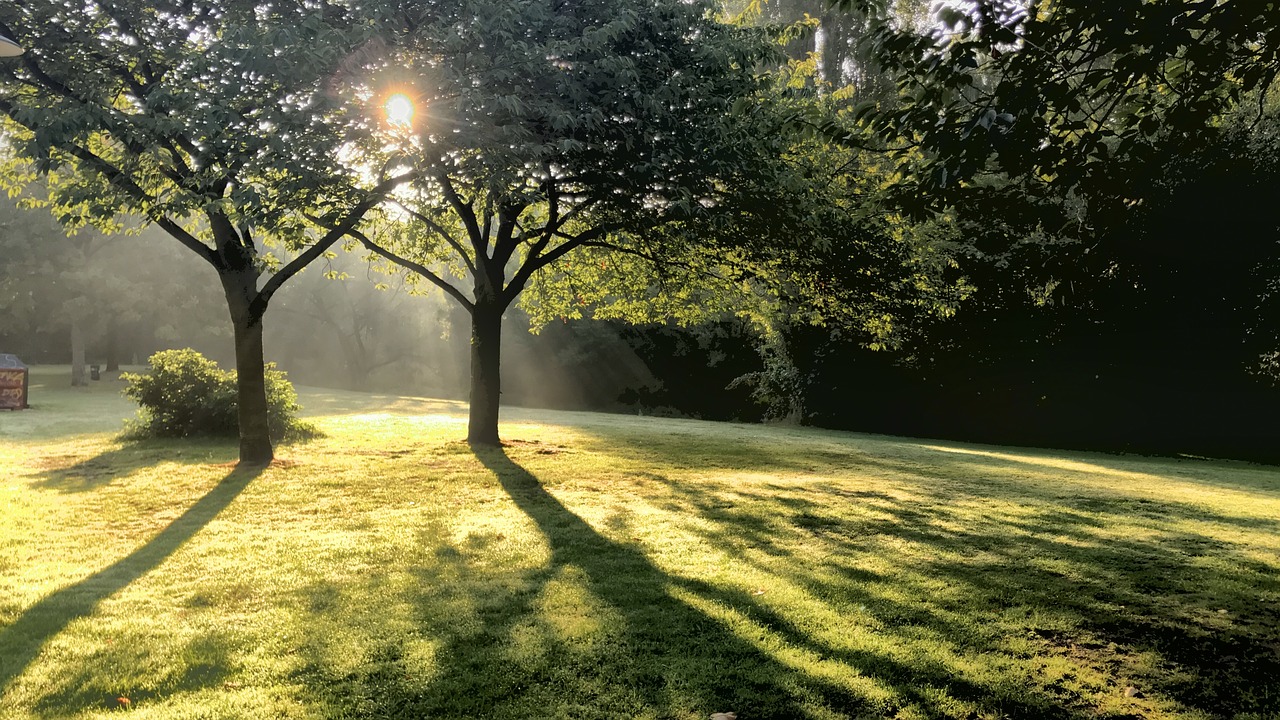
486 383
78 376
251 385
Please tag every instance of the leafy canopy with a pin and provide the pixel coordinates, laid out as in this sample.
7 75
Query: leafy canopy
544 128
1065 91
225 118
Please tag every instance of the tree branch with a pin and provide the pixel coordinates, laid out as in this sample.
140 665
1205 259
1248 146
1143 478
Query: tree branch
117 177
29 63
505 244
417 267
535 261
52 83
335 233
478 241
435 227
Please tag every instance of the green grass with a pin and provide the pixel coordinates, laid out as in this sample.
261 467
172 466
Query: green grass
609 566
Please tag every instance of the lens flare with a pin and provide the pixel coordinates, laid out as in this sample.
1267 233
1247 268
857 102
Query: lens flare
399 110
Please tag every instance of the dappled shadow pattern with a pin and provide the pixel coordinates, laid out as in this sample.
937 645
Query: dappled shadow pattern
918 582
1204 608
21 642
624 638
707 667
207 661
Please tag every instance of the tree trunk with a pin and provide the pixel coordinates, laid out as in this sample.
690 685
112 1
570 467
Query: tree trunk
78 377
486 383
251 385
113 346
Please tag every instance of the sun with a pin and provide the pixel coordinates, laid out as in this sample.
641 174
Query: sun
399 110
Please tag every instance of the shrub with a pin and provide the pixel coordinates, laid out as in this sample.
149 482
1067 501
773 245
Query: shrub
187 394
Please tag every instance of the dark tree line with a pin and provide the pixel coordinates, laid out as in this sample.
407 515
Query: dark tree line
1107 170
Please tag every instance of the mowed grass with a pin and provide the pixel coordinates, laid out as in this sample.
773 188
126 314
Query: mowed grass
621 567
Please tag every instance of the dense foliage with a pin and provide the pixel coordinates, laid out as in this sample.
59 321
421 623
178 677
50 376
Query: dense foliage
1104 170
185 394
1064 92
556 136
223 123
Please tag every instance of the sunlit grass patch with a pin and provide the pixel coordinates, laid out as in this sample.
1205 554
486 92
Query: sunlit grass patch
610 566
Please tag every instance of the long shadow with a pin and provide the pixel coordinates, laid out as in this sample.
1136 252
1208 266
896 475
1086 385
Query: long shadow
1228 474
826 450
1115 499
1211 621
706 662
21 642
503 642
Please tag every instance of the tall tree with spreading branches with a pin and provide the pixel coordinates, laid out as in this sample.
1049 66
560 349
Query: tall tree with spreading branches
225 123
550 133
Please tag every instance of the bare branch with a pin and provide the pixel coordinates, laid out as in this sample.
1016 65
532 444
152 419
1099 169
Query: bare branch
479 241
417 267
438 230
335 233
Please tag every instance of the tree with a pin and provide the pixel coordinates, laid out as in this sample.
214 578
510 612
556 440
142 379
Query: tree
38 280
1067 91
82 286
553 131
224 123
839 45
1071 140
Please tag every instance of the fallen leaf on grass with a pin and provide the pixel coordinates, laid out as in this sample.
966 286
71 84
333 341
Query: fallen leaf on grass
724 716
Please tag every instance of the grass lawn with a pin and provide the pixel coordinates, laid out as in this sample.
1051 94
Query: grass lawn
618 567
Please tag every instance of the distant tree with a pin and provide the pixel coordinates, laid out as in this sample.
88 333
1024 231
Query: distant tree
88 287
838 45
224 123
39 286
564 135
348 322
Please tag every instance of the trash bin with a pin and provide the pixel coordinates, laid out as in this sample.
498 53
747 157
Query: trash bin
95 373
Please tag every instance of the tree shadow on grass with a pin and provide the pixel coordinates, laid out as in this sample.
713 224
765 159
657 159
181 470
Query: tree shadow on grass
962 624
22 641
1118 469
821 451
665 646
702 666
1075 583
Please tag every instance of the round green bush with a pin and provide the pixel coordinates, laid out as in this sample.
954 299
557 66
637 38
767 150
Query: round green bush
187 394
